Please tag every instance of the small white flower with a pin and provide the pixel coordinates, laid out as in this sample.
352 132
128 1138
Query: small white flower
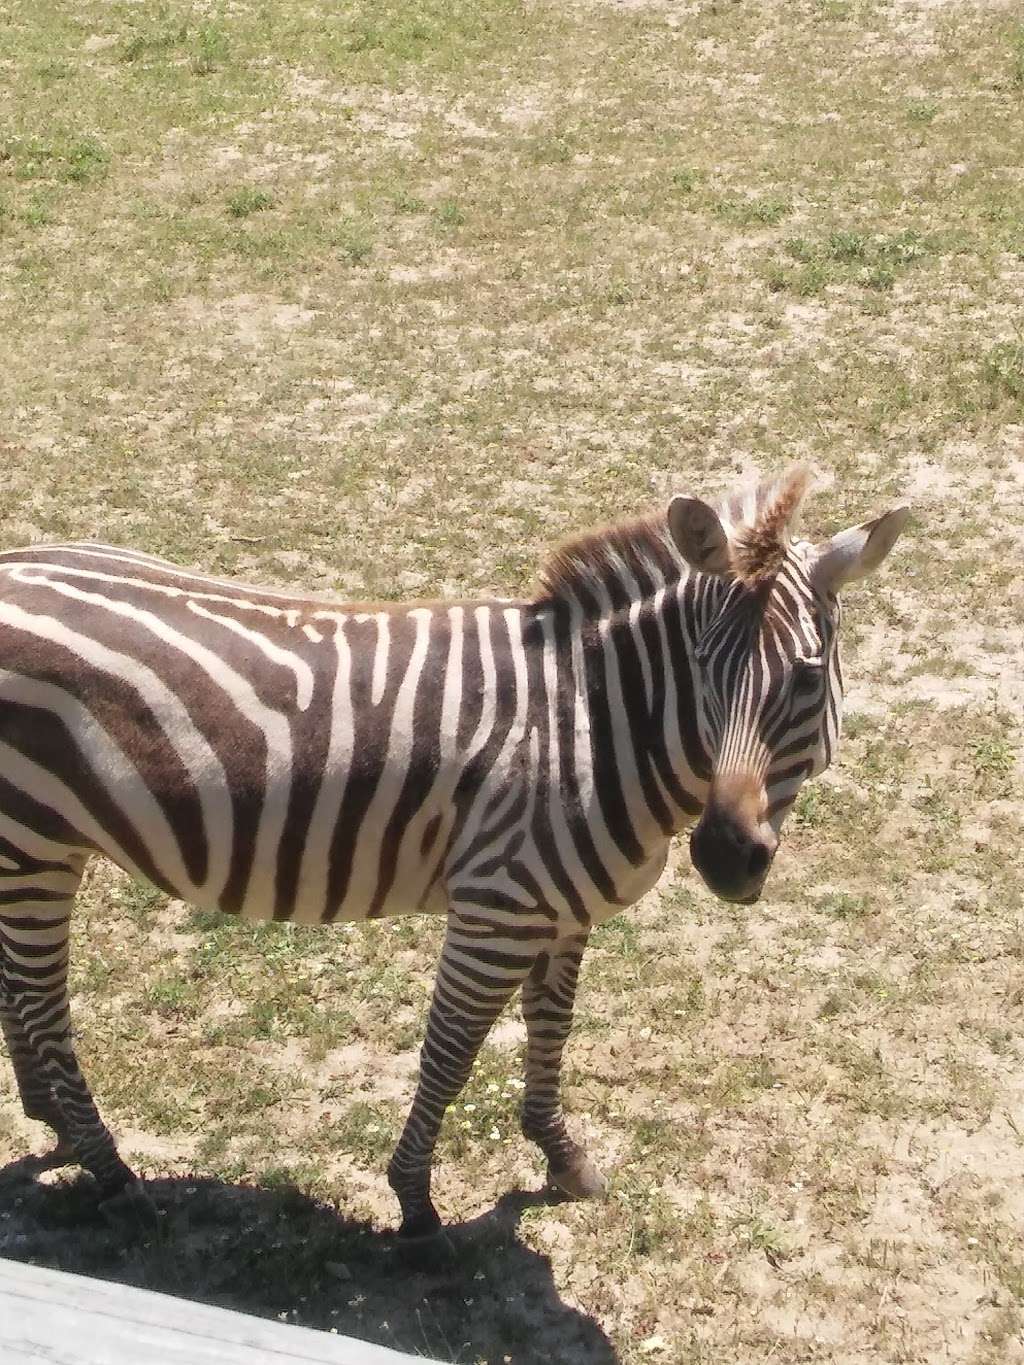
494 1135
469 1108
654 1345
972 1241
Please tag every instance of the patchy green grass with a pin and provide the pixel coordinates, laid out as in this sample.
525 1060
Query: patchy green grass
384 299
244 201
847 257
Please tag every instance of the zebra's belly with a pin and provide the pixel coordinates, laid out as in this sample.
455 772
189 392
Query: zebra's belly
266 855
311 906
364 899
367 895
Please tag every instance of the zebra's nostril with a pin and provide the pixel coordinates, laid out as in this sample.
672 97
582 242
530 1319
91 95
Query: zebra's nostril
758 859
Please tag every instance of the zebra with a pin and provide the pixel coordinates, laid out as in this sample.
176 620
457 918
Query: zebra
517 766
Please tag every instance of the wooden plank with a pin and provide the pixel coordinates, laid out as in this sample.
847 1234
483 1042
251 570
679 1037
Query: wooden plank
48 1317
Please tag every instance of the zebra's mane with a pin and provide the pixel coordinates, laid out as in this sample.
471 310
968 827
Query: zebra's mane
601 563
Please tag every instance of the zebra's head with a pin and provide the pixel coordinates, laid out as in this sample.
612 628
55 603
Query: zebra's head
767 680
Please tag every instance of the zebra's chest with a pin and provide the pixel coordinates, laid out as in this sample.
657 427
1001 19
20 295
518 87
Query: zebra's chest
535 853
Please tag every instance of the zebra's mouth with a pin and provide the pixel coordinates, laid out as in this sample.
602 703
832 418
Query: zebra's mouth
734 895
751 898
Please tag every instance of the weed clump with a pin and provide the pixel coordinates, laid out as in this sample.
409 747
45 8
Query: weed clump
846 257
245 201
74 160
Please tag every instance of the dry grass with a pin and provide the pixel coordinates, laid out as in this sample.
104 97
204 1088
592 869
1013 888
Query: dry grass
386 298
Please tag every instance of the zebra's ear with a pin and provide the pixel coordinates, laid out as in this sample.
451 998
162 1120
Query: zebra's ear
858 551
699 535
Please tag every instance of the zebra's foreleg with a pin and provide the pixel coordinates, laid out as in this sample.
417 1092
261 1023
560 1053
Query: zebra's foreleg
548 996
479 972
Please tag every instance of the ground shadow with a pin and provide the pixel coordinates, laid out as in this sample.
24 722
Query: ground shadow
277 1253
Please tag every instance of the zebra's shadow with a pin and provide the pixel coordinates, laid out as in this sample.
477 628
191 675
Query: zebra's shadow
276 1252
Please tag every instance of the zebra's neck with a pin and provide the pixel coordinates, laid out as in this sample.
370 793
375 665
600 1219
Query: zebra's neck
650 767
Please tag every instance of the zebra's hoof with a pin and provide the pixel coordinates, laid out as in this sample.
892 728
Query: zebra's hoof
579 1180
131 1209
429 1255
423 1243
421 1227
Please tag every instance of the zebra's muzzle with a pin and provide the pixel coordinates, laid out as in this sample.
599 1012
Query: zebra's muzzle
732 849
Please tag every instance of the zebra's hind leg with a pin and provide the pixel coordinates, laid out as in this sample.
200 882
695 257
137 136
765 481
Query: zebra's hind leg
548 996
35 913
480 970
37 1098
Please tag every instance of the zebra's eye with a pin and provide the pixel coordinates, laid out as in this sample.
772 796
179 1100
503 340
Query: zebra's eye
806 678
